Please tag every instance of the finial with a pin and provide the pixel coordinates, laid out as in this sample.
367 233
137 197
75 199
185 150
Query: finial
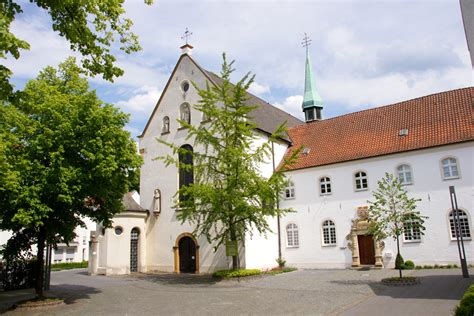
306 41
186 35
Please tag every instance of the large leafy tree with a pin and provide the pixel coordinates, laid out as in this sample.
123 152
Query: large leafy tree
91 27
65 156
229 196
393 211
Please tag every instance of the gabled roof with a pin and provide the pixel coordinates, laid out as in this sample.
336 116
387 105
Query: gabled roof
434 120
130 205
267 117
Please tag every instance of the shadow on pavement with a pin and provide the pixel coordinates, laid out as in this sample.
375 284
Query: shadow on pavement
72 292
179 279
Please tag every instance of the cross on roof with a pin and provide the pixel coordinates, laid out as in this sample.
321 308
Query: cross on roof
186 35
306 41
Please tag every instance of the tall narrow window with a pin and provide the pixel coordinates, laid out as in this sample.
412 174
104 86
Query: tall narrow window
361 181
166 125
463 224
185 113
450 168
134 241
186 170
329 233
325 185
289 192
404 174
411 231
292 238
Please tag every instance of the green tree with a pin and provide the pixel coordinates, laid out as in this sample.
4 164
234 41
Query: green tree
65 156
91 27
392 212
229 196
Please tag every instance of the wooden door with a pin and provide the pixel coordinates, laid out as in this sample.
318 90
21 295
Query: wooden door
366 249
187 255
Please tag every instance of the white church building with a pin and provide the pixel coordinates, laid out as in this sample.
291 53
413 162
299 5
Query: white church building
427 142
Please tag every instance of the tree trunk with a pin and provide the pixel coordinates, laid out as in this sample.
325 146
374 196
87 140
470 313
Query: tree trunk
398 254
40 263
235 259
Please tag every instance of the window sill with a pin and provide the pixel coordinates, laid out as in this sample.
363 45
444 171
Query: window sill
361 190
292 247
329 245
325 194
289 198
164 133
412 241
451 178
464 239
205 121
182 128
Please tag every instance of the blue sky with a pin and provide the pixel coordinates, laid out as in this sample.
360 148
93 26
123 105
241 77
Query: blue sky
364 53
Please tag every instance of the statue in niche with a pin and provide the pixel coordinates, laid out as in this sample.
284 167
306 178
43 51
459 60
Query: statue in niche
185 113
157 201
166 125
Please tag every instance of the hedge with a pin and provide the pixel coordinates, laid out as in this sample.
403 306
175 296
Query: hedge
466 306
227 274
68 265
17 274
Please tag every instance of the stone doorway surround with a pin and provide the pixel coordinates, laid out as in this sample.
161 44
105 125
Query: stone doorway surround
360 227
176 252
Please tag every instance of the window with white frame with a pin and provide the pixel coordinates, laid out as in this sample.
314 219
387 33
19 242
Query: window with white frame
411 231
329 233
289 192
325 185
404 174
450 168
292 238
463 224
361 181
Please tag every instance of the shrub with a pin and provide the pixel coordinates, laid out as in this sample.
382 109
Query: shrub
399 262
466 306
68 265
281 262
17 274
408 265
227 274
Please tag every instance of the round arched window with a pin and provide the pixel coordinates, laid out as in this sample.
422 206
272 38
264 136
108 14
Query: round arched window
185 86
118 230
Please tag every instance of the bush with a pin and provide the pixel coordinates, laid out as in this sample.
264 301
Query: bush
281 262
227 274
17 274
466 306
399 262
408 265
68 265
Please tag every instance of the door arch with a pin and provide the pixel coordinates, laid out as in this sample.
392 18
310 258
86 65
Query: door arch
186 254
134 240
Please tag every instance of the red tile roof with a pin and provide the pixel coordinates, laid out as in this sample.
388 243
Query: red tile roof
434 120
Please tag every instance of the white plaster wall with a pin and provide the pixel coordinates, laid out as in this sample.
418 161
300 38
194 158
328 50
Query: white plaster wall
80 244
312 209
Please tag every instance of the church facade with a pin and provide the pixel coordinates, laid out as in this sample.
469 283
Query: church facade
427 142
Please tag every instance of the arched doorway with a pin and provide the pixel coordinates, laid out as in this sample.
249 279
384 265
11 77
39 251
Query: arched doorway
187 255
134 236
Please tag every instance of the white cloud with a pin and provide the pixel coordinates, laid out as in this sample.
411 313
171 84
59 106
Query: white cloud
142 102
258 89
292 105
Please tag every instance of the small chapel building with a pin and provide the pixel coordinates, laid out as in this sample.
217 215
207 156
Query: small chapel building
427 142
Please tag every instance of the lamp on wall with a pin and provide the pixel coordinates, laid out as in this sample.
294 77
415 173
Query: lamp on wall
157 202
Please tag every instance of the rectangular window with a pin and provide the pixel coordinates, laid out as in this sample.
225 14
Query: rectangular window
411 232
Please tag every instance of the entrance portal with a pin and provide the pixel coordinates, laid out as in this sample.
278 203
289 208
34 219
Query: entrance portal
366 249
187 255
134 234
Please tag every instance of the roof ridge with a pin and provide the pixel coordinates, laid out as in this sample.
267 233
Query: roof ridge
382 106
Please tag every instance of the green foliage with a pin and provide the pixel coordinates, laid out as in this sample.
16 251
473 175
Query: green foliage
91 27
68 265
281 262
65 156
228 274
229 196
466 306
408 265
281 270
17 274
399 261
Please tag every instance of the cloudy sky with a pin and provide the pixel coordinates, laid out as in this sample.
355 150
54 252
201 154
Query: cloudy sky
364 53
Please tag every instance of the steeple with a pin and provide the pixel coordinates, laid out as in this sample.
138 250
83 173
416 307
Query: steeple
312 101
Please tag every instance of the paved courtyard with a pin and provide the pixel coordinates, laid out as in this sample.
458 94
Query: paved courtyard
303 292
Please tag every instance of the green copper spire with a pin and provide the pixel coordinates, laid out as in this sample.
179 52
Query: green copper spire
311 95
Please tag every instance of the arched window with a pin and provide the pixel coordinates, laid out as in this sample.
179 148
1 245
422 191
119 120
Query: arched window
404 174
463 223
411 231
450 168
134 234
186 170
292 238
185 113
166 125
289 192
325 185
329 233
361 181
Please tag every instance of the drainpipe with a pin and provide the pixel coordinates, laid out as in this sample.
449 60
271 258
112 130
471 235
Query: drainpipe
277 205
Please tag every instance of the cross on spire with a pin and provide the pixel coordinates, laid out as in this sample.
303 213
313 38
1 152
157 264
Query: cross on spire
306 42
186 35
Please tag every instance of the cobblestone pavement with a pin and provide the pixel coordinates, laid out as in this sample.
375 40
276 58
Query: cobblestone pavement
303 292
